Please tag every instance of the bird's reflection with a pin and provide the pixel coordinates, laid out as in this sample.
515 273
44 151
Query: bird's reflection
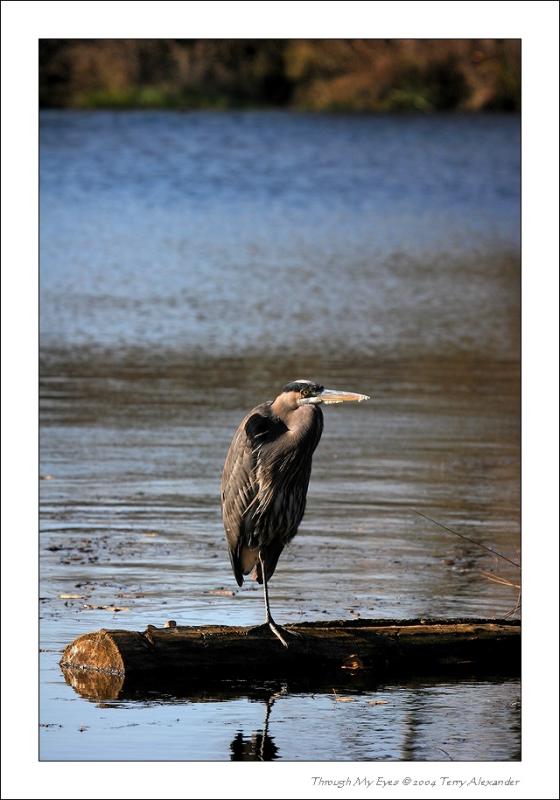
259 746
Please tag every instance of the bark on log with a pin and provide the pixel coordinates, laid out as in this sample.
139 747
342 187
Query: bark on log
100 664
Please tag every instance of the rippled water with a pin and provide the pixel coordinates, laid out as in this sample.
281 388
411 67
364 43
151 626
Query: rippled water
191 264
428 721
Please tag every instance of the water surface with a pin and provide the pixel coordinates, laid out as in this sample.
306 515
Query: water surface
191 264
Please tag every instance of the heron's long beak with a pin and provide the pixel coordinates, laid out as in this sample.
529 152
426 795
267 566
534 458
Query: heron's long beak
331 396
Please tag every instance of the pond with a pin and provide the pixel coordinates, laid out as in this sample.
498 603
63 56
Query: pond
191 265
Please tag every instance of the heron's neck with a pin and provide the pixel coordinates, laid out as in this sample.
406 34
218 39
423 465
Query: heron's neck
284 406
296 418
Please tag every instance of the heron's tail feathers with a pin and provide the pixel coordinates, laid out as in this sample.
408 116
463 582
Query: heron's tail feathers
256 573
248 559
270 556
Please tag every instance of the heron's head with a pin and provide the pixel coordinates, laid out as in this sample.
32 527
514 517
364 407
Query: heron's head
305 392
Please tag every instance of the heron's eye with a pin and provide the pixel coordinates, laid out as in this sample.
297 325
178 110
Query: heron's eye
305 392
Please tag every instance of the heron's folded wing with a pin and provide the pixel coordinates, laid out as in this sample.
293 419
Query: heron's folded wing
240 486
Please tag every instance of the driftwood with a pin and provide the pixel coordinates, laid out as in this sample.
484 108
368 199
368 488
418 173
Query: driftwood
105 663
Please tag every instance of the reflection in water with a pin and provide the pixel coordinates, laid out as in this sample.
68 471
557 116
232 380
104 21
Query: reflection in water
441 722
420 720
260 746
94 684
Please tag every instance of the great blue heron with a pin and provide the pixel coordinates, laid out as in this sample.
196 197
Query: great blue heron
265 479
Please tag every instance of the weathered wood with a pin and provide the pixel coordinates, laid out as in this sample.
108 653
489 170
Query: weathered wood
374 648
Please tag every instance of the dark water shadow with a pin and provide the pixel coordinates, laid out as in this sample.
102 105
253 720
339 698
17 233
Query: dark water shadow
99 687
260 745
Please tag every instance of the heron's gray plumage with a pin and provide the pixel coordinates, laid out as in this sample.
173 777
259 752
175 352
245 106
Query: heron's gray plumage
265 480
264 485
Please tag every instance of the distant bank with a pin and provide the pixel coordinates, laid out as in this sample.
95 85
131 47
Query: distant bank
361 75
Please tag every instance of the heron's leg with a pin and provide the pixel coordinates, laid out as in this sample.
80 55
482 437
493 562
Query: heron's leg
268 615
268 619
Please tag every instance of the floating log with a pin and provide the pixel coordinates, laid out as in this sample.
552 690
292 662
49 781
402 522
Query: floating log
98 664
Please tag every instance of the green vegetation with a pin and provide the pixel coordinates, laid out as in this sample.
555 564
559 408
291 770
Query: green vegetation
132 97
361 75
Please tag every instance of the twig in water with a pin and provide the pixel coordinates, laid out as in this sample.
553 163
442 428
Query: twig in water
505 582
499 579
516 606
467 538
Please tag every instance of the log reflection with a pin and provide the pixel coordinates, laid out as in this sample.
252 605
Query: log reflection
94 685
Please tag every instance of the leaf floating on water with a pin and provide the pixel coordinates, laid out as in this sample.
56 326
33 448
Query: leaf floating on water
70 596
106 608
377 702
46 477
221 592
149 533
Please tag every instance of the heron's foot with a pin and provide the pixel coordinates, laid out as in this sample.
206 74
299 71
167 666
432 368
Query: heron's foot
282 633
277 630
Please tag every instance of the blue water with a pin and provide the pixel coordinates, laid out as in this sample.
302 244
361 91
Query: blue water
192 264
227 232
